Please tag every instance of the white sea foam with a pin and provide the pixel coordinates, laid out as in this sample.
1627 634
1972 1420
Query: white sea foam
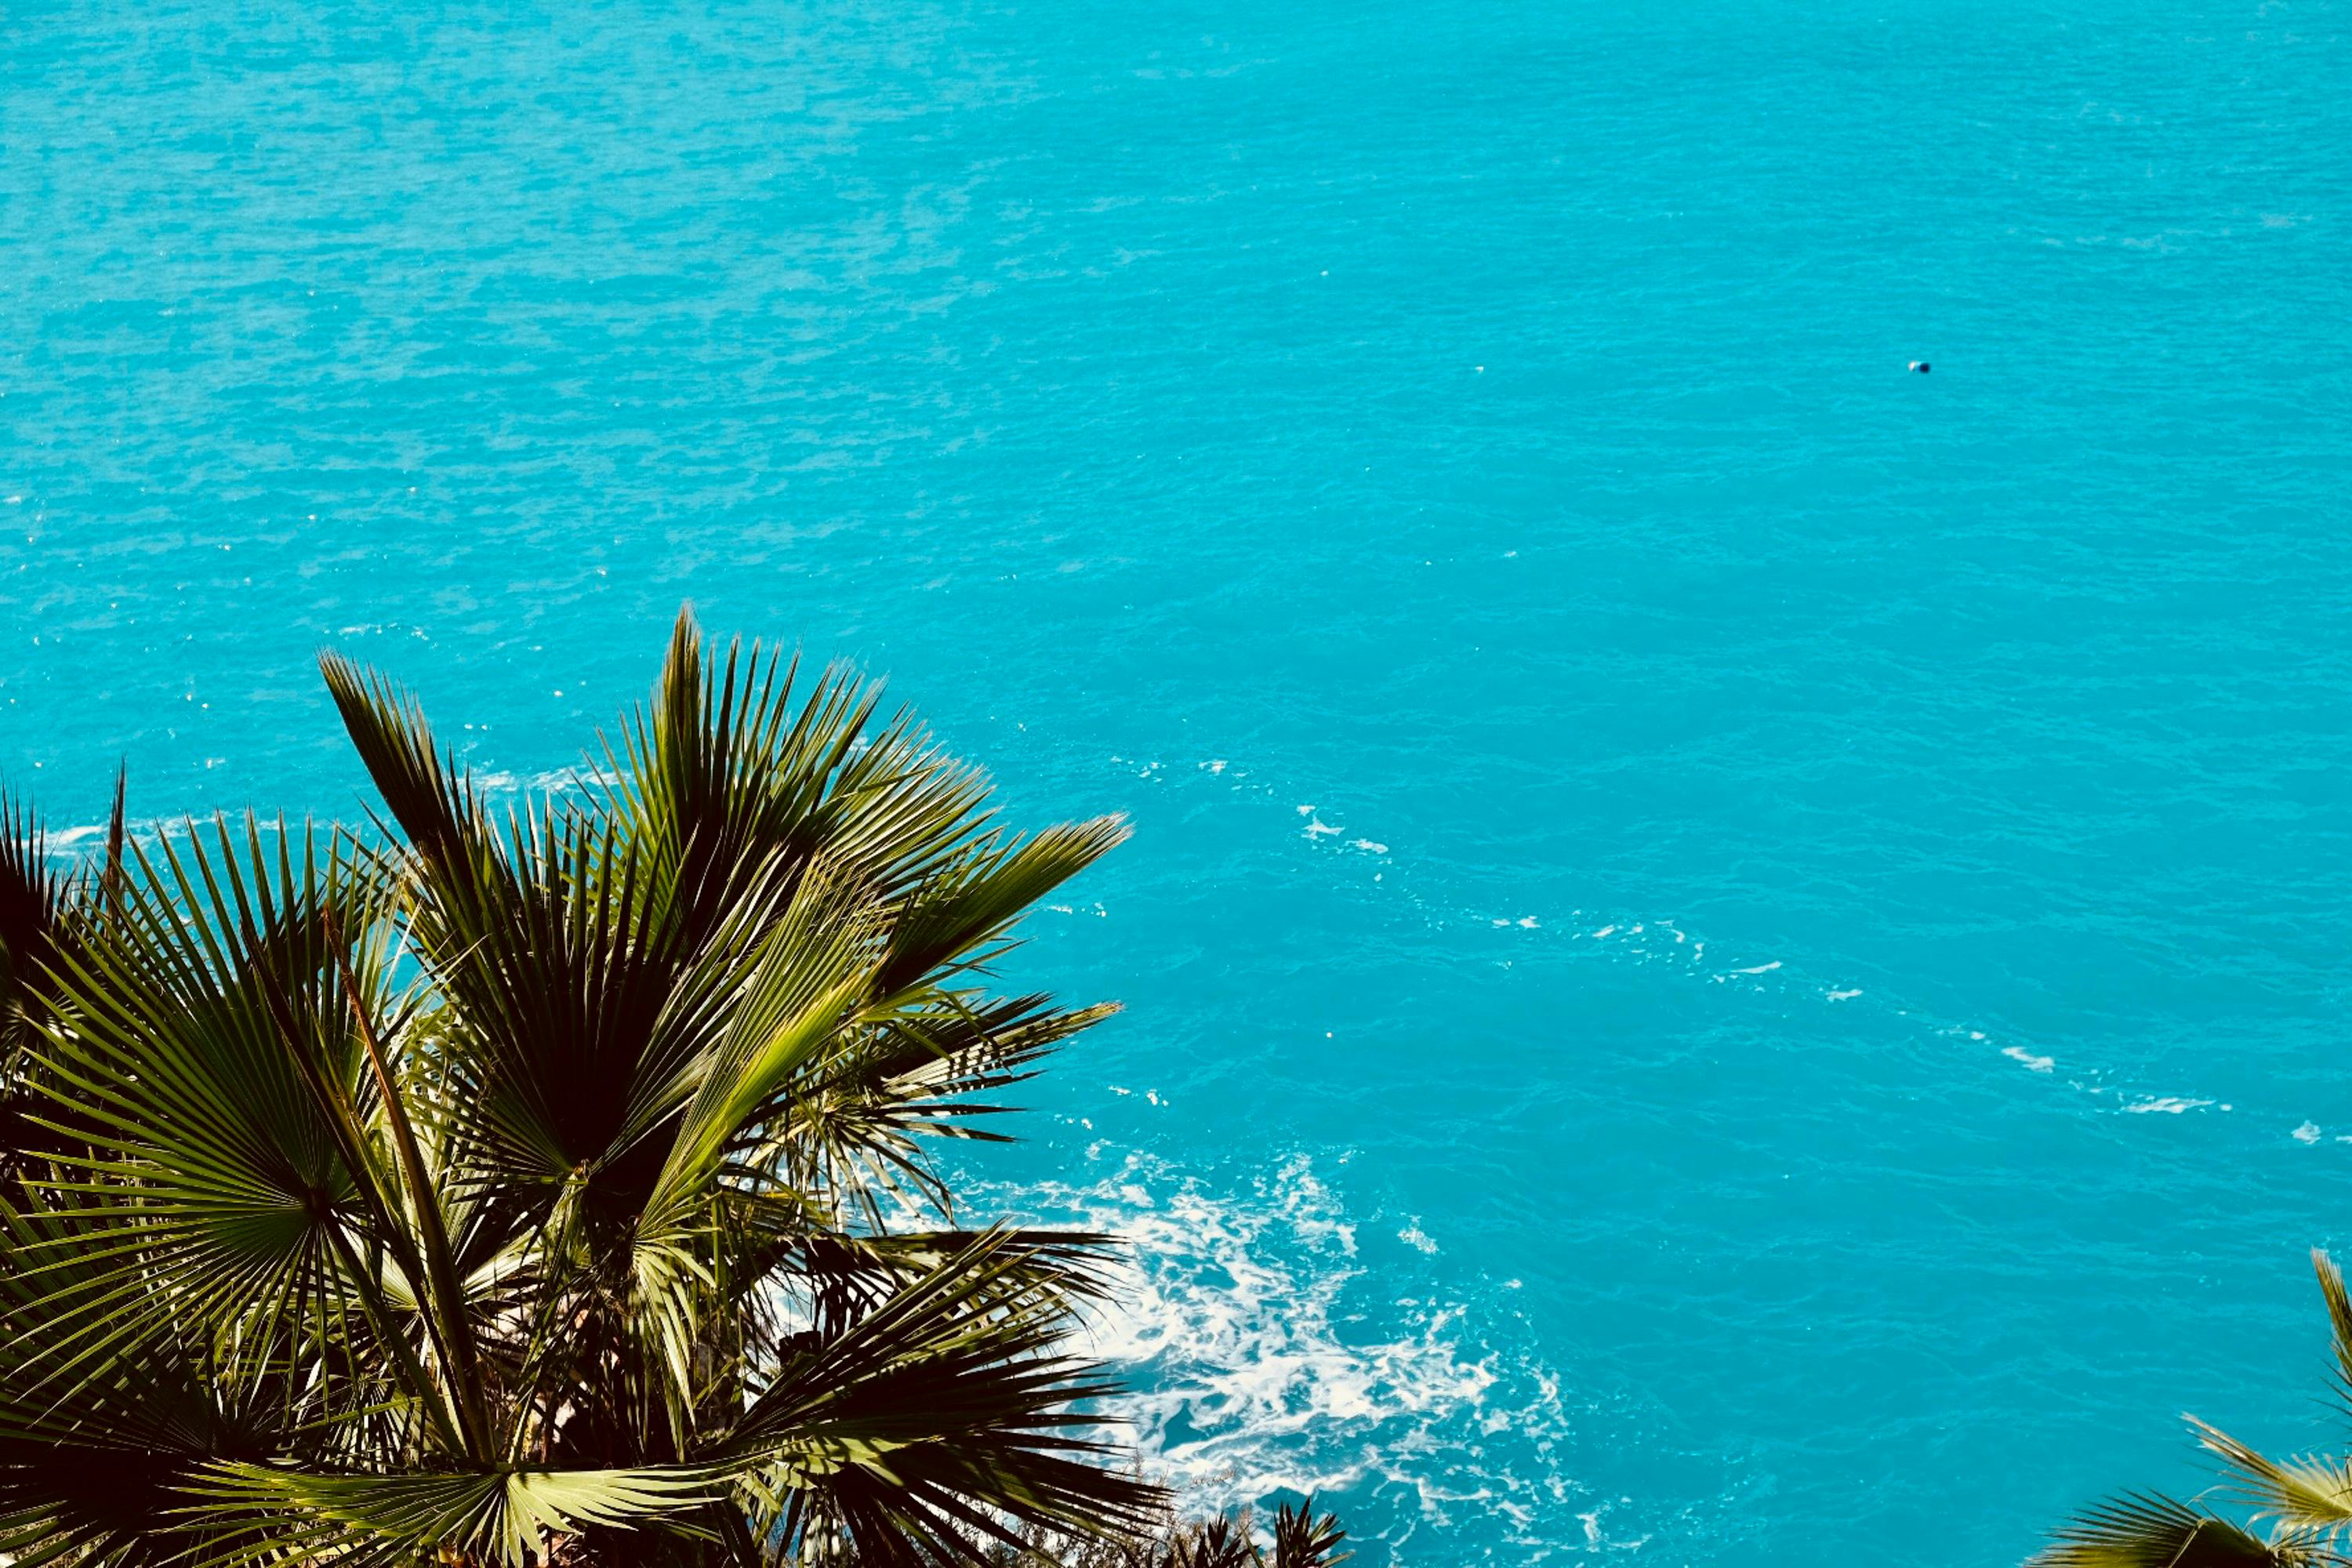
1623 935
498 783
1261 1365
2306 1134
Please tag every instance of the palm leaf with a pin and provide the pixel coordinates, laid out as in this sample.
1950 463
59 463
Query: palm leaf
2144 1531
33 905
944 1417
969 901
32 898
2306 1493
849 1130
577 1012
210 1064
2339 1320
1219 1542
1303 1541
270 1513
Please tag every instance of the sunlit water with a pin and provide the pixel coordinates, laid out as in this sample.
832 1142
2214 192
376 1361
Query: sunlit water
1734 955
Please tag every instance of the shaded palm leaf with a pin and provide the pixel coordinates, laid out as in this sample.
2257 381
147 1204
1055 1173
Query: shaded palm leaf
849 1129
1302 1540
32 903
262 1512
943 1416
1220 1542
2140 1531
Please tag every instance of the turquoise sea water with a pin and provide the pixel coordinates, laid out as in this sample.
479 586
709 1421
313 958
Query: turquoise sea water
1734 956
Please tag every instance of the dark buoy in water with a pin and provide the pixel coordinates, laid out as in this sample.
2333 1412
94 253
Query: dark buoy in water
1920 365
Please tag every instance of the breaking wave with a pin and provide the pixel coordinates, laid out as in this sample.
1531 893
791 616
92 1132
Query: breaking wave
1278 1346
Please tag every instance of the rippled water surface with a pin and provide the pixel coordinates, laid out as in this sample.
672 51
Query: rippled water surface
1734 955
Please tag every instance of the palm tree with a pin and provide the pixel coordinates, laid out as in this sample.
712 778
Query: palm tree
2305 1502
544 1186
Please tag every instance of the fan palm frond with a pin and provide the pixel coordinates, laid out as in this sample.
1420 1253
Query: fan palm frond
2308 1500
2312 1493
255 1512
944 1415
548 1183
2144 1531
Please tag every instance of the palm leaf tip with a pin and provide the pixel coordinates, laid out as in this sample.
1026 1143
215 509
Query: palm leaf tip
428 795
2150 1530
2307 1493
31 901
1302 1540
2339 1320
116 826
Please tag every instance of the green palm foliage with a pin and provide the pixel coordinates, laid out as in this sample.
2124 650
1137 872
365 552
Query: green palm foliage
544 1185
2298 1511
1300 1539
